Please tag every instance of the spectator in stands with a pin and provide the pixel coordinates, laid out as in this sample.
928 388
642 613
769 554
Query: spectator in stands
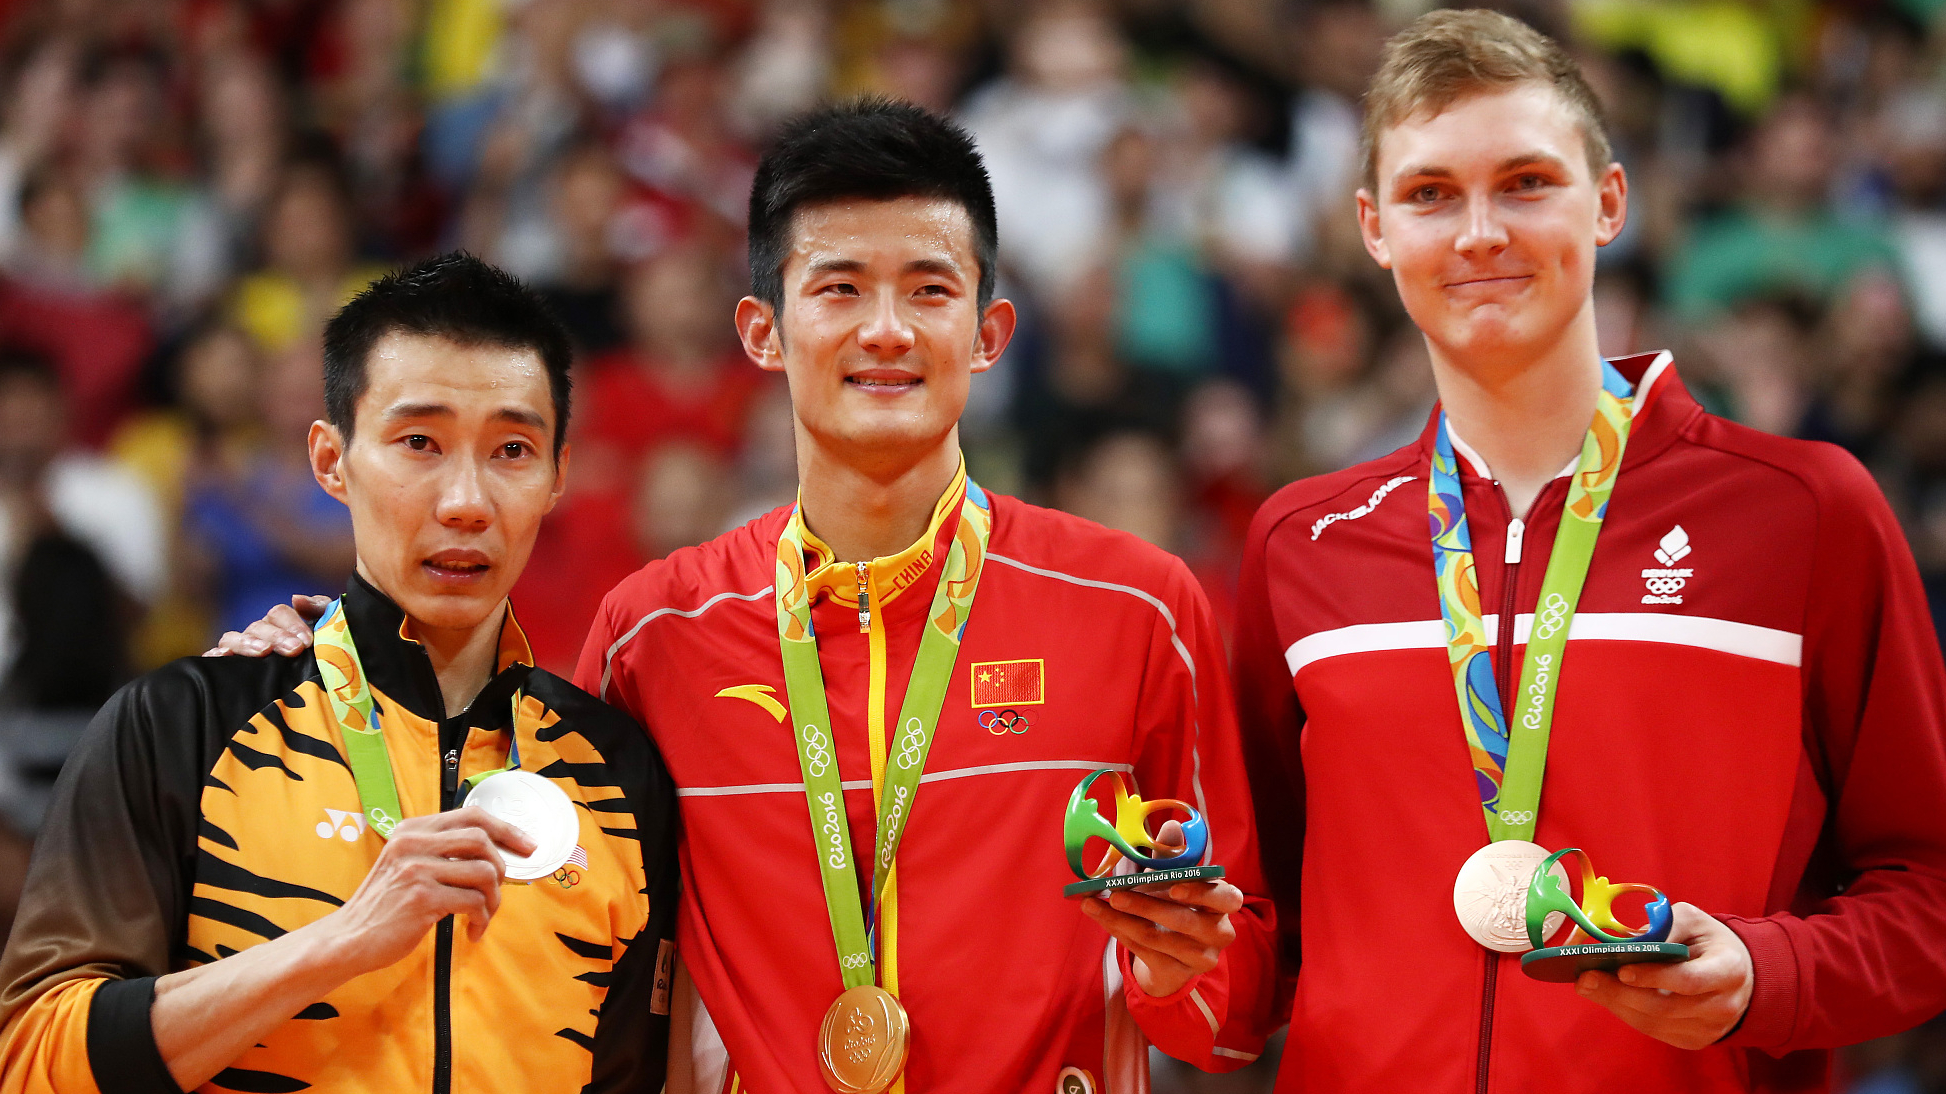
262 526
214 432
63 614
311 262
1784 237
681 375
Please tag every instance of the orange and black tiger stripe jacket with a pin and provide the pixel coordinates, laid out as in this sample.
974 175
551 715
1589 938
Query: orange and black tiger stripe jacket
210 808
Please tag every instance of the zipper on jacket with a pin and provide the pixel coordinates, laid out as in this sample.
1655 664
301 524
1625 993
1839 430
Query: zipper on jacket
442 958
864 598
1505 678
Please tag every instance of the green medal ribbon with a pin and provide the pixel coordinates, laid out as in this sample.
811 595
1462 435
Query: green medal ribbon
1508 765
925 696
350 694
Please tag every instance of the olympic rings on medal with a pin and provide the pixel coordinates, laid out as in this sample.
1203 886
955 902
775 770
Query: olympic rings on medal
817 755
912 744
1129 836
1001 722
1594 915
1551 618
1516 816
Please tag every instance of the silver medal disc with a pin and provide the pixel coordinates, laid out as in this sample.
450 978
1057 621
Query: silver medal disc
1490 894
541 810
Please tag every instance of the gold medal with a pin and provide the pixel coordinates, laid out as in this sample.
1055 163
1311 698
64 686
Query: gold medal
862 1045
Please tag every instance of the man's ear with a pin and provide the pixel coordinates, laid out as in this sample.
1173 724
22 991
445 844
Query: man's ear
1611 214
996 330
762 336
1369 231
560 475
327 448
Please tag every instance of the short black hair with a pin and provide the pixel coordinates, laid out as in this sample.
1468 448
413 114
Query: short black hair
454 296
872 148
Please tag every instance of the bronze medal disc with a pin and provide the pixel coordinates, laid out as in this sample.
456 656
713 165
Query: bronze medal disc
862 1045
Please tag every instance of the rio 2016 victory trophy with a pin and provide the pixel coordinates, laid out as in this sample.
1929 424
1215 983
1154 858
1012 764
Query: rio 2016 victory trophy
1159 858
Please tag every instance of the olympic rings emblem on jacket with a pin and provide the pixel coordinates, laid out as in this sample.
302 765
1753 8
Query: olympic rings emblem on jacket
1001 722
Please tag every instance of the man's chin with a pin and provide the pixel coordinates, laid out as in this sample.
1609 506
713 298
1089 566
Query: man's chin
451 609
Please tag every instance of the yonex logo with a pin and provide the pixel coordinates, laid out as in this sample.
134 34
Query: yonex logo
1665 583
1364 510
346 825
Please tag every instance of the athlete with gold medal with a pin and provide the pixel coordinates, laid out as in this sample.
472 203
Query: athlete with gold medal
862 1043
838 637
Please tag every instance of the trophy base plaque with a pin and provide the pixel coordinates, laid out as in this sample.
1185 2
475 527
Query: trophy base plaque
1142 880
1562 964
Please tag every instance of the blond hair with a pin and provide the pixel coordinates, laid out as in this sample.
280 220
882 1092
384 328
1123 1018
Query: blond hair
1446 56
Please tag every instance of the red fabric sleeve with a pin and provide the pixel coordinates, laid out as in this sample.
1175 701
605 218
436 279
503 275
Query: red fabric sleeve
1189 751
1861 952
1270 723
594 651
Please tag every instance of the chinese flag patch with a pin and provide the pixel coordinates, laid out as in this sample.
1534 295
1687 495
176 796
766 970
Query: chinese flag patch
1009 683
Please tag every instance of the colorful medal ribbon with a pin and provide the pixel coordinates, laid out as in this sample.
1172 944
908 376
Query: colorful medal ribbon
918 717
1509 766
350 695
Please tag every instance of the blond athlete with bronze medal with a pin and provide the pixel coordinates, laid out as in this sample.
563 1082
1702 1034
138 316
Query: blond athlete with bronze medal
1578 617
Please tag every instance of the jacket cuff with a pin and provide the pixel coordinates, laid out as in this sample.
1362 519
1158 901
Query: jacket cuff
1133 993
1772 1012
121 1041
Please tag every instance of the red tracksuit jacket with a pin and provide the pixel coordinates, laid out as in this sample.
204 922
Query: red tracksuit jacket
1086 648
1749 717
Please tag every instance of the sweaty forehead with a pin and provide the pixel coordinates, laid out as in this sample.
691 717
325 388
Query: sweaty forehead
415 369
893 232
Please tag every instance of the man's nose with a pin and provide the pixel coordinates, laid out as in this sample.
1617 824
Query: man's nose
463 498
888 330
1484 232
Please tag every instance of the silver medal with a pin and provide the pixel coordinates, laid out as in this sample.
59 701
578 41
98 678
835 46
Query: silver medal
540 809
1490 894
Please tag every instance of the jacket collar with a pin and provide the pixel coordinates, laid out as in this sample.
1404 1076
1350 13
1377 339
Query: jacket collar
1663 406
825 575
397 665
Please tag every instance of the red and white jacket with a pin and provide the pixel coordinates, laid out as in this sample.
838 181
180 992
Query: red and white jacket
1750 717
1086 648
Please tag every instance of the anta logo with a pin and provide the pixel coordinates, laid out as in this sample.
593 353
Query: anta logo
761 694
347 826
1665 582
1364 510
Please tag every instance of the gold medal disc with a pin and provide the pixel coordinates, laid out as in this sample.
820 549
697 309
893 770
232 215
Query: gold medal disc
862 1045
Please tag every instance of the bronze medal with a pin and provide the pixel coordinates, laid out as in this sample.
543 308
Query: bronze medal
862 1045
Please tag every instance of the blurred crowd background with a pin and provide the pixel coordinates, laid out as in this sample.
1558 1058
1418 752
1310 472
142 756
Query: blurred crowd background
189 187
